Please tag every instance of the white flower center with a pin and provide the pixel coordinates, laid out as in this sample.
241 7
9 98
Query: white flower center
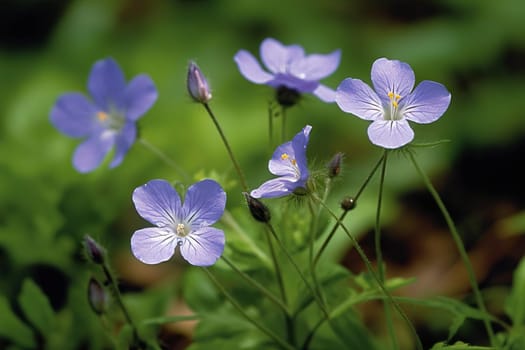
112 121
293 162
182 230
392 111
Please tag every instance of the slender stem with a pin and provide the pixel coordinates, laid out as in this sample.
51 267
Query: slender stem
240 309
166 159
283 124
370 269
257 285
336 225
379 251
368 178
228 148
280 282
118 297
328 238
292 261
459 245
270 126
377 229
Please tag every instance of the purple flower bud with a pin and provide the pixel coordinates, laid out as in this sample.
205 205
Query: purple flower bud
259 211
94 251
197 85
98 297
334 166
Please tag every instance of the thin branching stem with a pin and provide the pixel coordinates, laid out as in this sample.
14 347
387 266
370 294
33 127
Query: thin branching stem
228 148
257 285
459 244
165 158
379 251
370 269
240 309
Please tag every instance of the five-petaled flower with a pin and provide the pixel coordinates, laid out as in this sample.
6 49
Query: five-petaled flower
106 121
290 69
393 103
289 163
184 225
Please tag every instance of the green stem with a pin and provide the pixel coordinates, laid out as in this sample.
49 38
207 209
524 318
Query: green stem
153 149
118 297
370 269
283 124
459 244
280 282
270 126
240 309
336 225
228 148
257 285
296 267
379 251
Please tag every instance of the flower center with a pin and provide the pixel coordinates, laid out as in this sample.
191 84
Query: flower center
182 230
393 112
286 156
113 121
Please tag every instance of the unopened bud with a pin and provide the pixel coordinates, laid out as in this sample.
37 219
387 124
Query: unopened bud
334 166
197 85
94 251
259 211
98 297
348 203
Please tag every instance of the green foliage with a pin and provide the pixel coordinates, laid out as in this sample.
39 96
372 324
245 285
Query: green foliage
36 307
474 47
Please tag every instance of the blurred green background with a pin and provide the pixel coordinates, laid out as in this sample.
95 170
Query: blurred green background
475 48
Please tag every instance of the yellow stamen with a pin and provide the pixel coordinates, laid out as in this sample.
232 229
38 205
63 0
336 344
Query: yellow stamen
181 230
285 156
102 116
394 103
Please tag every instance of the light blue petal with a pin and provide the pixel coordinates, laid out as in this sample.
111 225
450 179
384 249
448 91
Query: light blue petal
74 115
356 97
281 162
139 96
324 93
392 76
251 69
317 66
90 154
106 83
158 202
153 245
204 203
426 103
278 57
274 188
390 134
123 141
203 247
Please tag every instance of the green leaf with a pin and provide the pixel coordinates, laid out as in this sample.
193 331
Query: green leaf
12 328
515 303
159 321
352 332
36 307
459 346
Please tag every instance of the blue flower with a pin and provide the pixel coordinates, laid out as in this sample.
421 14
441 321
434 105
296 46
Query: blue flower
186 226
393 103
106 121
289 163
290 67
